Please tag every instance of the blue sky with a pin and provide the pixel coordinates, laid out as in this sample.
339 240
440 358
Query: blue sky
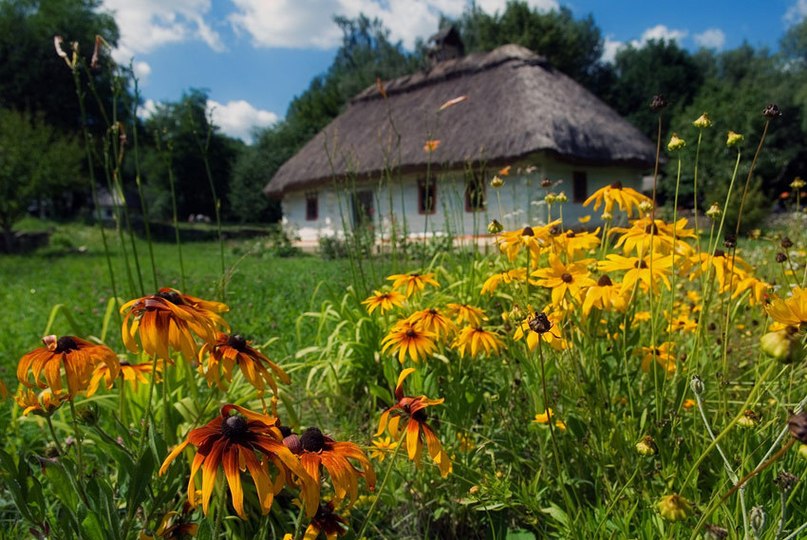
254 56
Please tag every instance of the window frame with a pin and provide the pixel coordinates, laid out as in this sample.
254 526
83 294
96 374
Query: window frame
422 196
311 202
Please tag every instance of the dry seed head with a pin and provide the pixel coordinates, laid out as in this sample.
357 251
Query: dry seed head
771 111
797 424
658 103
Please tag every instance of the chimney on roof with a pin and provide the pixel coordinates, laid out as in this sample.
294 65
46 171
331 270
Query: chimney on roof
445 45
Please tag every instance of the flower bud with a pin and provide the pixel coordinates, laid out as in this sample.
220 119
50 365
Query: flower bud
703 121
757 519
749 419
714 211
733 139
676 143
673 507
798 183
782 345
646 446
696 384
645 206
494 227
550 198
786 481
607 216
561 198
496 182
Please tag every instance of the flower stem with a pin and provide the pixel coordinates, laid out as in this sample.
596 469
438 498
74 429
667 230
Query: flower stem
366 521
53 434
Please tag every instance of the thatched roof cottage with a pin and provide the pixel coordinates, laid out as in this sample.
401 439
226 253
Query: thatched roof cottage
377 163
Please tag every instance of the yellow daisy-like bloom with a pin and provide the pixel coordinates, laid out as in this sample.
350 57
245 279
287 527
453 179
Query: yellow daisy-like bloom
648 273
791 311
625 198
571 242
464 313
433 321
412 411
552 336
131 373
674 507
382 447
476 338
170 318
682 323
759 290
234 440
662 355
533 239
508 276
721 264
413 282
646 235
545 417
564 278
230 351
43 404
74 356
406 338
386 301
605 295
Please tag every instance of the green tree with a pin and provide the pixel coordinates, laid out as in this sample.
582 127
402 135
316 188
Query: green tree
36 162
574 46
33 78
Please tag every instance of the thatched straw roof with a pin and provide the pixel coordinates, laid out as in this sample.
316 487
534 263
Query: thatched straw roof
516 105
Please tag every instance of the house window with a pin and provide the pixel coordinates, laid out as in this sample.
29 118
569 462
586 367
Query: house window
427 196
475 198
579 186
311 207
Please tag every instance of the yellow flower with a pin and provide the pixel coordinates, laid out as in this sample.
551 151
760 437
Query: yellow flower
463 313
703 121
714 211
43 404
625 198
646 446
682 323
646 235
723 265
548 415
676 143
564 278
496 182
604 295
386 301
733 139
749 419
382 447
571 242
407 338
508 276
642 270
131 373
533 239
414 282
433 321
466 442
759 290
798 183
552 336
674 507
791 311
662 355
477 338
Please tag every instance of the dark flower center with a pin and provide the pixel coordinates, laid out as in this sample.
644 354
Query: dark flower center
432 311
616 185
720 253
171 296
554 231
570 234
234 426
567 277
640 264
527 231
411 333
66 344
604 281
236 341
540 323
651 229
312 440
420 415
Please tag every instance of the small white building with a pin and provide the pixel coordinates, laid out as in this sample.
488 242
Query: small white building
372 166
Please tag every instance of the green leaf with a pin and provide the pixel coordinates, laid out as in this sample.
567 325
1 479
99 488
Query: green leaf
519 534
141 476
205 531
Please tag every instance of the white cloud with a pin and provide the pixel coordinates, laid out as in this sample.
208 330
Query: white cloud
659 32
712 38
148 108
796 12
293 24
146 25
610 48
141 70
238 118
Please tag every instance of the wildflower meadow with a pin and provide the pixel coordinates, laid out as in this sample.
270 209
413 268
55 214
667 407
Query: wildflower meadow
638 375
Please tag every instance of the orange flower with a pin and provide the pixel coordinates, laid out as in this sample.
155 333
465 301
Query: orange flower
77 356
431 145
233 350
131 373
234 439
432 320
414 282
463 313
476 338
170 318
407 338
318 450
327 522
44 404
412 409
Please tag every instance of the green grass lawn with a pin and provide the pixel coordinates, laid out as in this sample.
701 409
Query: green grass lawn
266 294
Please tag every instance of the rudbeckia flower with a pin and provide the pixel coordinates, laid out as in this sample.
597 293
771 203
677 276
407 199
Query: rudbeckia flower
412 410
433 321
413 282
643 270
75 356
170 318
327 522
3 390
605 295
43 404
646 235
463 313
791 311
759 290
724 266
319 450
234 440
407 338
382 447
230 351
508 276
625 198
131 373
551 336
662 355
571 242
532 239
547 416
564 278
476 338
385 300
